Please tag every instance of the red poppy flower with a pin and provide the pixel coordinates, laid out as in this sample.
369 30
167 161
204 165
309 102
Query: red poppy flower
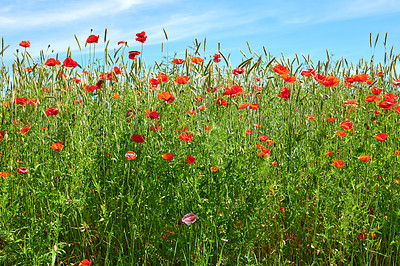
133 54
4 174
186 137
238 71
166 97
130 155
376 90
57 146
372 98
243 106
381 136
21 101
221 101
331 81
52 62
85 262
397 109
122 42
93 39
25 44
201 108
24 130
340 133
168 156
280 69
379 74
140 37
310 118
348 85
364 158
90 88
2 134
182 80
177 61
197 60
389 96
68 62
234 90
211 90
319 78
190 159
308 72
22 170
217 58
52 111
138 138
330 119
346 124
396 82
189 218
361 236
263 138
396 181
214 169
350 103
329 153
248 132
152 114
387 103
254 106
285 93
288 78
338 164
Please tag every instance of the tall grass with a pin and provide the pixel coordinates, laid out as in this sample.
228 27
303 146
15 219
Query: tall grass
289 206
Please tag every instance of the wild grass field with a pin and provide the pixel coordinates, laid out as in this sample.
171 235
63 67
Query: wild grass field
195 161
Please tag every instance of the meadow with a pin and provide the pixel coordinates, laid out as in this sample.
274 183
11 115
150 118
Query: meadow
193 161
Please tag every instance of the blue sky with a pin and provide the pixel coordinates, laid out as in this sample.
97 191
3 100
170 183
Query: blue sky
288 27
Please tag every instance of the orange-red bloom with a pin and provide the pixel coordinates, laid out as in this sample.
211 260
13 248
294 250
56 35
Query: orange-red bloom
346 124
364 158
68 62
234 90
85 262
24 130
243 106
381 136
52 62
93 39
217 58
285 93
331 81
248 132
214 169
196 60
140 37
57 146
130 155
25 44
182 80
190 159
132 54
177 61
238 71
350 103
168 156
280 69
376 90
330 119
221 101
254 106
4 174
166 97
340 133
372 98
263 138
52 111
186 137
288 78
397 109
338 163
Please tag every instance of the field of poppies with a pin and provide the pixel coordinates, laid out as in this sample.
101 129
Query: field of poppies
195 161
